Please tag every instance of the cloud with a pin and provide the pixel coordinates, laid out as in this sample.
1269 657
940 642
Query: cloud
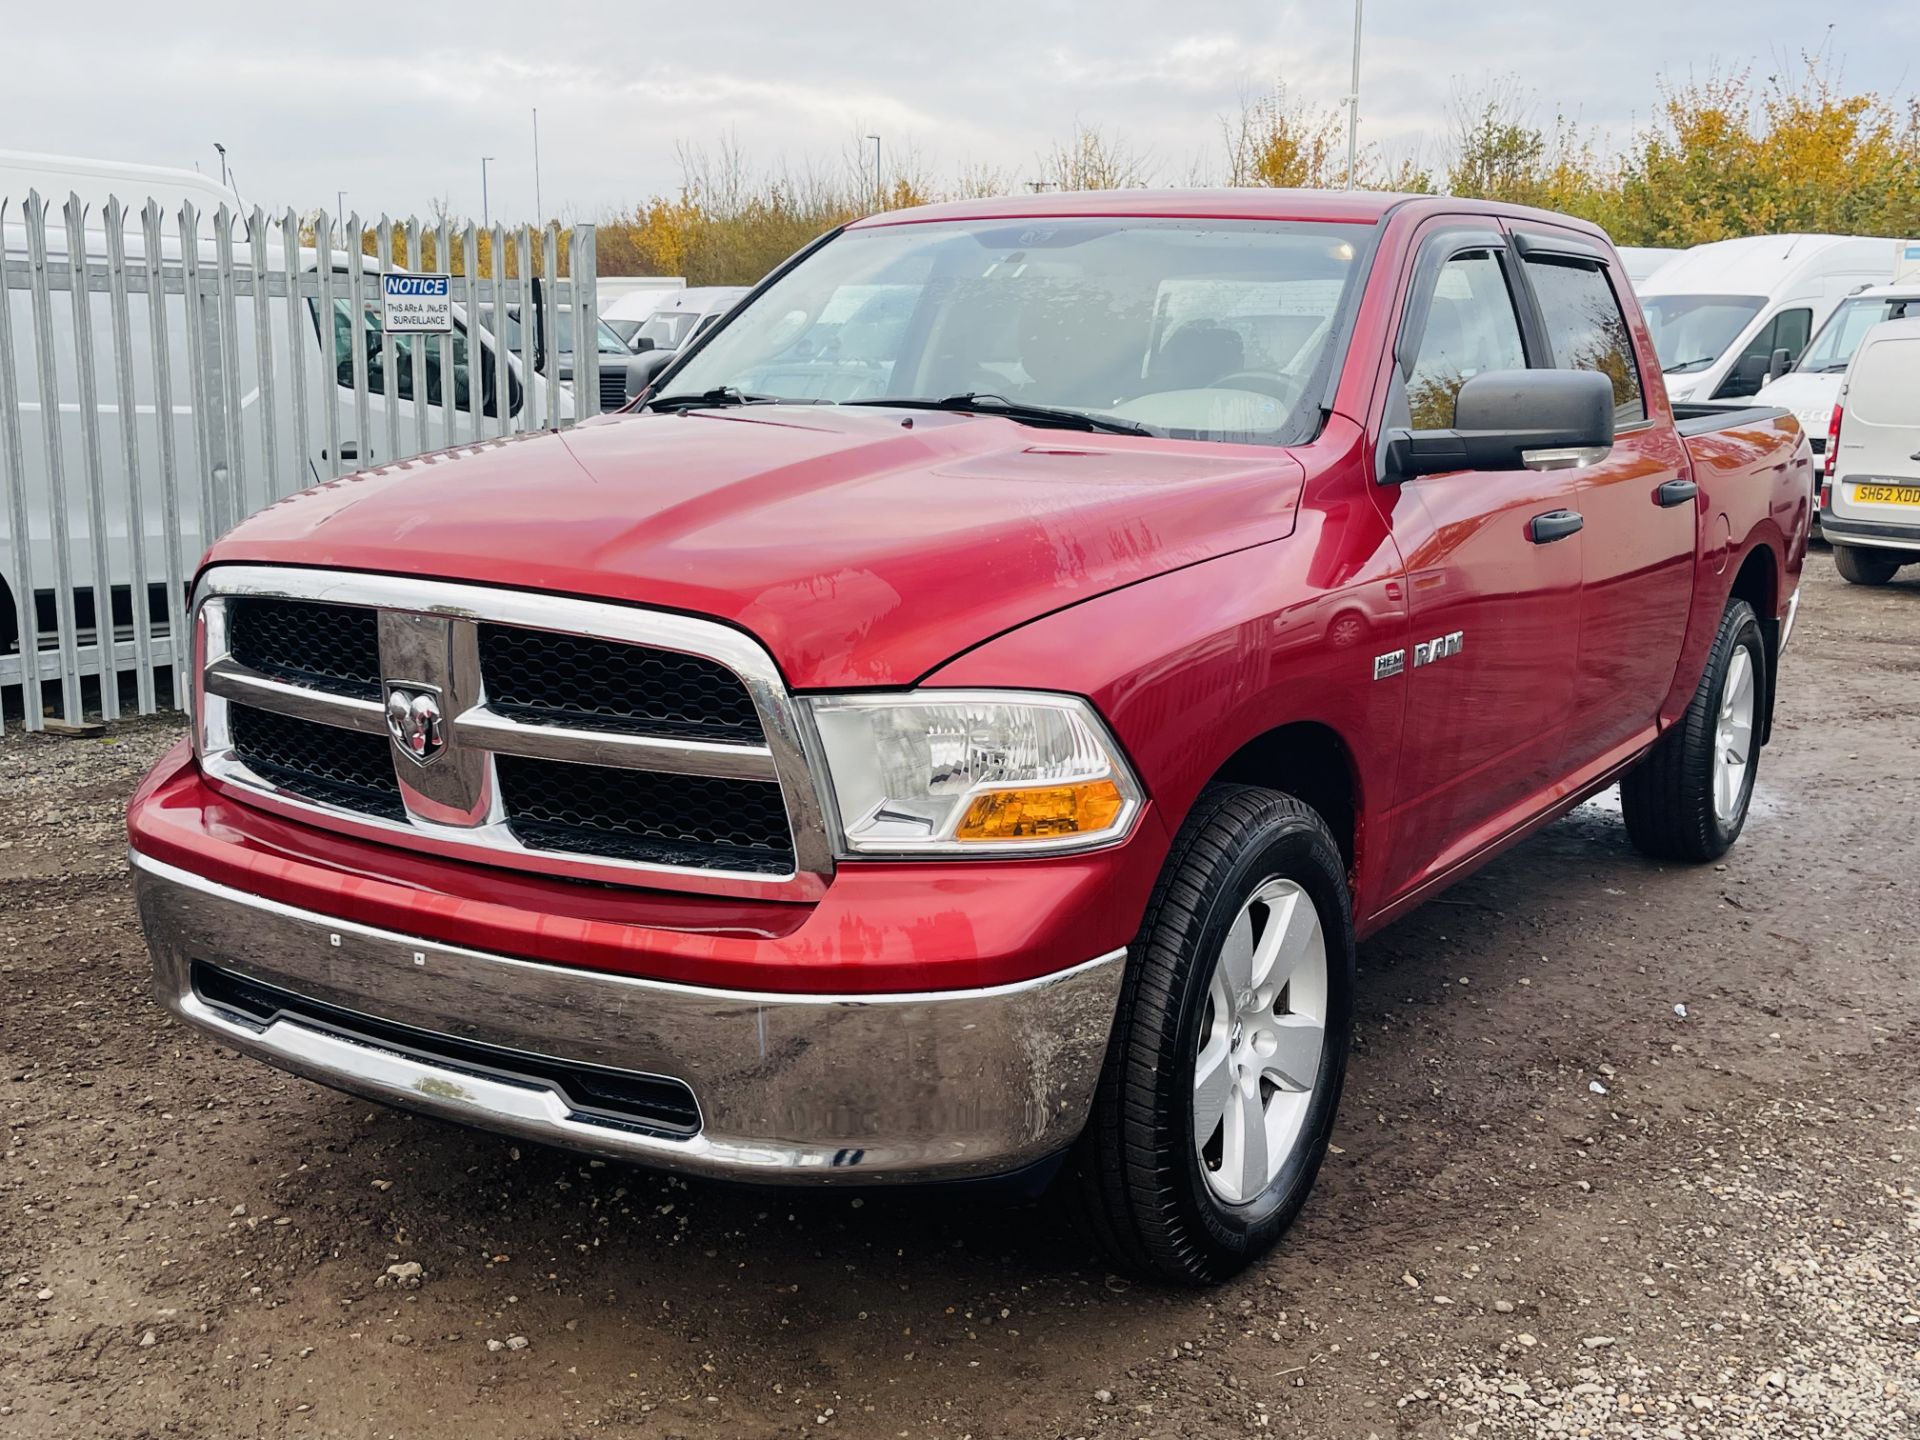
399 112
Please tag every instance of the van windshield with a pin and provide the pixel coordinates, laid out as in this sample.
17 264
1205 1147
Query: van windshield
1211 330
668 328
1690 332
1833 347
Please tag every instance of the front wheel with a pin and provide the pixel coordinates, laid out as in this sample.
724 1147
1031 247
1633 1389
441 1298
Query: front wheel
1688 799
1864 567
1230 1047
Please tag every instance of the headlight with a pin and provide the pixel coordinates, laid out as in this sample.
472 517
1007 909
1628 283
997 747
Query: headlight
972 772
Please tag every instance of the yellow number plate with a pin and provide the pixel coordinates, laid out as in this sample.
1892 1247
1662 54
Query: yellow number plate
1887 494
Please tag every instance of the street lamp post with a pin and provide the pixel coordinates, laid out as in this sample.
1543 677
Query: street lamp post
1353 101
340 210
876 170
486 214
539 212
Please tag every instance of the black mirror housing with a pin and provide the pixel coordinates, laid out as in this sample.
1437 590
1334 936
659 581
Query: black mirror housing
642 344
1510 420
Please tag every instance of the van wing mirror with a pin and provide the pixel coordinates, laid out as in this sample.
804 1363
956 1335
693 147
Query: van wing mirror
1780 363
1512 420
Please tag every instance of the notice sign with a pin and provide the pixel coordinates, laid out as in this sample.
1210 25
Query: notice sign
416 304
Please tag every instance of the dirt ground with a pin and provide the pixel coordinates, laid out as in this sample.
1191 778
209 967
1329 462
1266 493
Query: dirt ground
1625 1151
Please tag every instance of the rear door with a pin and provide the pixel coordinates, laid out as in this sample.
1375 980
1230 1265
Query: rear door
1877 470
1640 503
1493 602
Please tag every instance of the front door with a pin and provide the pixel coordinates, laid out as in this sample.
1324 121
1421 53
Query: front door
1493 564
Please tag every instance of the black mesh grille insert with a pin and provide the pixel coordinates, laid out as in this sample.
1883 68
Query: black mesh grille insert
652 1103
335 648
317 762
543 678
694 821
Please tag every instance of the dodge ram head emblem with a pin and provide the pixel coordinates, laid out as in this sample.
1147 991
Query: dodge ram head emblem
413 717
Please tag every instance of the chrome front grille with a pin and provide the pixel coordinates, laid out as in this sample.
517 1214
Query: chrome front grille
571 737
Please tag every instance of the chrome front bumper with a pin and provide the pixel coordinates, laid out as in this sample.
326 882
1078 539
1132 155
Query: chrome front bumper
789 1088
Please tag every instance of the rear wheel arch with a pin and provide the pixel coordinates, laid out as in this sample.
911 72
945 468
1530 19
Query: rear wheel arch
1757 582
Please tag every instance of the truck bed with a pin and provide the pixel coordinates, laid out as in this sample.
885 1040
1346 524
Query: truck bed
1702 417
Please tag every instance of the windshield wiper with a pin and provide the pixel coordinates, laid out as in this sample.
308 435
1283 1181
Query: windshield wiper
720 397
982 403
1686 365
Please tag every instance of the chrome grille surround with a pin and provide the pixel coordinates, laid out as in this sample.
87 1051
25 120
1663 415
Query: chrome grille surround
428 632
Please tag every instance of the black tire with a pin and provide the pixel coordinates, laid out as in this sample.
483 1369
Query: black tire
1858 566
1137 1173
1667 798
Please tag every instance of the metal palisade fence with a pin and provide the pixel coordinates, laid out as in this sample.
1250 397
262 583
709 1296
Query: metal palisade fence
165 374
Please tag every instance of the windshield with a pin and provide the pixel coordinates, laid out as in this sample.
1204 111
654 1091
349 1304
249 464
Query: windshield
667 328
610 341
1833 347
1690 332
1212 330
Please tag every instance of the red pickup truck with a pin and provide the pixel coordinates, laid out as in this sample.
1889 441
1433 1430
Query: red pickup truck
960 721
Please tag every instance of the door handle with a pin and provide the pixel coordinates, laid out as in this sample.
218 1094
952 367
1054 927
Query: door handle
1675 492
348 451
1554 525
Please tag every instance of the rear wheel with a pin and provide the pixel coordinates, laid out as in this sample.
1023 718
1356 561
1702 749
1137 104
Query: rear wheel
1688 799
1858 566
1225 1067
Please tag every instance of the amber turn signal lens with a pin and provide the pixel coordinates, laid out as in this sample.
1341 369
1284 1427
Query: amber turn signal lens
1036 814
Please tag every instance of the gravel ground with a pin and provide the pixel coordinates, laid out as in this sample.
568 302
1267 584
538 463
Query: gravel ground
1558 1206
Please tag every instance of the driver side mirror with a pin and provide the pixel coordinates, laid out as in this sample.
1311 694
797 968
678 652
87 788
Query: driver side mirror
1778 365
1512 420
642 344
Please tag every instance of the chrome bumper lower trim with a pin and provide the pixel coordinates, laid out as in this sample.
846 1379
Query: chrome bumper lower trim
791 1088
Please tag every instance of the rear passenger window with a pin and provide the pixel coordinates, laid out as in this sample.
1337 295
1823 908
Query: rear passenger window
1588 331
1471 329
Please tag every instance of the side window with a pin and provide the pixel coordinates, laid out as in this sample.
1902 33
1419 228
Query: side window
1789 331
1471 328
1588 330
370 338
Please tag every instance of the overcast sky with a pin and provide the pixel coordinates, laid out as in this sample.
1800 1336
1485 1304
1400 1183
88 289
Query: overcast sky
397 108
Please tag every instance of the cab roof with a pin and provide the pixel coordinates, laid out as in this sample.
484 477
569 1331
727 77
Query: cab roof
1325 207
1351 207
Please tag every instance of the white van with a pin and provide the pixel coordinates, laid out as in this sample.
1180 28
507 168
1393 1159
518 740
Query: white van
97 181
1812 388
1643 262
627 300
1872 486
360 435
1729 316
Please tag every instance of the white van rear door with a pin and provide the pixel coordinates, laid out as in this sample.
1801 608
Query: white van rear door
1878 468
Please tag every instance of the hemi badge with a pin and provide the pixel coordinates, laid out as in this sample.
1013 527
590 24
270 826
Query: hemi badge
1390 664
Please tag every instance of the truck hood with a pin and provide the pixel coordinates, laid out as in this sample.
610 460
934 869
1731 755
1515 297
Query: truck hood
862 547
